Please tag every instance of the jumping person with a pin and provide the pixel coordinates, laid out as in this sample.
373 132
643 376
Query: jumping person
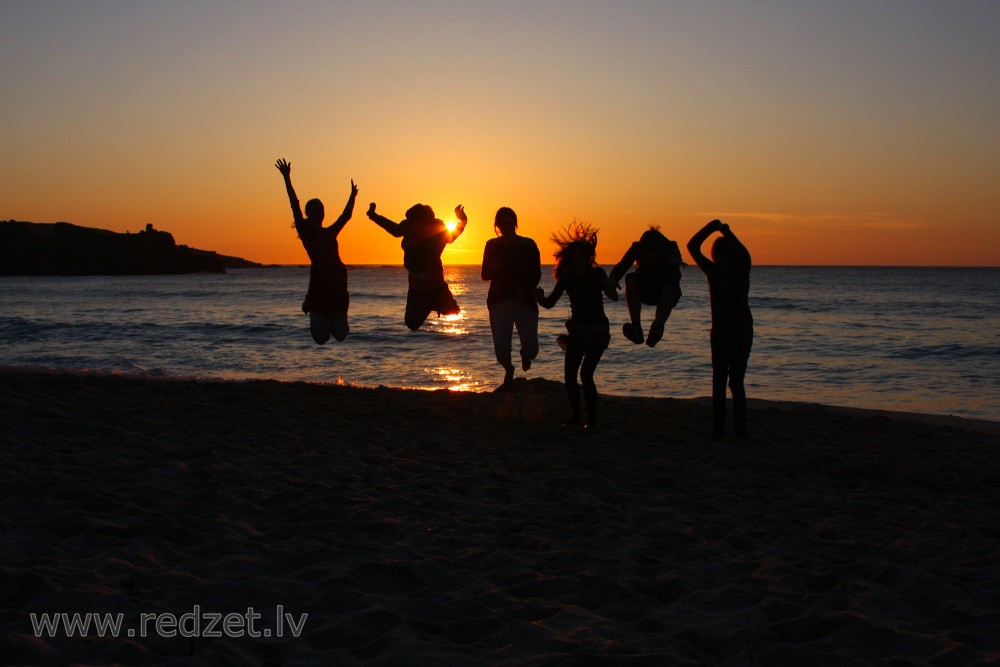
424 239
327 300
513 266
728 274
577 274
655 282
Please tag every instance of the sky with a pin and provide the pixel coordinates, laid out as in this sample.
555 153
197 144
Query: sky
844 132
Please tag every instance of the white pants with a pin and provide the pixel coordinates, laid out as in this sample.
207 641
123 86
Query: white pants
504 316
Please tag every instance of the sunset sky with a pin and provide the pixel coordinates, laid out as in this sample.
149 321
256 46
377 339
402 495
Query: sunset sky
835 132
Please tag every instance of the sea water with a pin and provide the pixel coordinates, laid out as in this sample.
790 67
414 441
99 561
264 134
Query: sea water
914 339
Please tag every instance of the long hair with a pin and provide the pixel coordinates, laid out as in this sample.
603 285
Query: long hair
578 239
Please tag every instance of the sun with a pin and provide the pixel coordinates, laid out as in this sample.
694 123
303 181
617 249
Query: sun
451 225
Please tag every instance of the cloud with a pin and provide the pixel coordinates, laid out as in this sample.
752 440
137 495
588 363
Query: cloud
788 221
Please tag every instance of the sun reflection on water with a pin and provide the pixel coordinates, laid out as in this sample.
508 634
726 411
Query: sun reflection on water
456 279
453 324
456 379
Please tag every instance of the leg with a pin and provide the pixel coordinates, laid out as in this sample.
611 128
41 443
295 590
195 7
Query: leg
633 297
720 372
417 310
319 327
502 325
526 319
574 357
590 360
737 372
669 296
338 325
415 318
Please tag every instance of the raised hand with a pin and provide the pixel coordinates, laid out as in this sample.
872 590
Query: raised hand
354 190
460 213
284 166
371 209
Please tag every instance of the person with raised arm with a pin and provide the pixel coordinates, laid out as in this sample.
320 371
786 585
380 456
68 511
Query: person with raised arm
578 275
728 274
327 299
513 266
424 239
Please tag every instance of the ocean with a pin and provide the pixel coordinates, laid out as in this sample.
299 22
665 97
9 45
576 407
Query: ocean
912 339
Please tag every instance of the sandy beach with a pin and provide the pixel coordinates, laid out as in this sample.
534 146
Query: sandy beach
436 528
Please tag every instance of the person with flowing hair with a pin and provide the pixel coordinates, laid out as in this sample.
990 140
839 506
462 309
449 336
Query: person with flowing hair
578 275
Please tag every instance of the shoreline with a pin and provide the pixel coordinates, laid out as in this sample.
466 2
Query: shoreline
523 385
469 529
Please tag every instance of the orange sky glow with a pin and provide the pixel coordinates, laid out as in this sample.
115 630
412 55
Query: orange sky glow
822 132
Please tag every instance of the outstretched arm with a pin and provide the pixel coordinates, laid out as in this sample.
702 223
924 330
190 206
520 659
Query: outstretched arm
694 245
348 210
610 288
626 262
285 167
550 300
536 264
388 225
463 220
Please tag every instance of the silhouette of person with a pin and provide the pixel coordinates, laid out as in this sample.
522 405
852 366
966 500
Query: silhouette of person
728 274
513 266
655 282
424 239
577 274
327 299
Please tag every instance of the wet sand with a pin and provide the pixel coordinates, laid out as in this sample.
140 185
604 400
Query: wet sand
443 528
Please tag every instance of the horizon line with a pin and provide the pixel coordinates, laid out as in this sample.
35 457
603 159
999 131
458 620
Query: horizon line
385 265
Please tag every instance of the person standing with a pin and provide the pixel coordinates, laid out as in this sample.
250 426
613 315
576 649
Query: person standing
513 266
728 274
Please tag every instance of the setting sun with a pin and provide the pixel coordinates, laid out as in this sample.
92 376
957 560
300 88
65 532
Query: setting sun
451 225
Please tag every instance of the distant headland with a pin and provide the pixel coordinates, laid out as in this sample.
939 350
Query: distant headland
64 249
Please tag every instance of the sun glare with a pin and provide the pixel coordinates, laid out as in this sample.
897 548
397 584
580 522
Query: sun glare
456 379
451 225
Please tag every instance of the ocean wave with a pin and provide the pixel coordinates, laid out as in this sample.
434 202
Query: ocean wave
867 338
16 327
957 351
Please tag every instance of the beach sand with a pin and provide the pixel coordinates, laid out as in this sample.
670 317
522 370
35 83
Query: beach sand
439 528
